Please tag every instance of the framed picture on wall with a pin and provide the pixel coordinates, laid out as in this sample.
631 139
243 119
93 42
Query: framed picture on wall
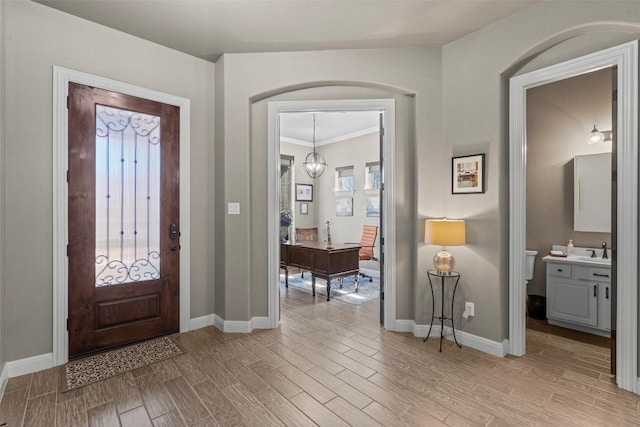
373 206
304 208
467 174
304 193
344 206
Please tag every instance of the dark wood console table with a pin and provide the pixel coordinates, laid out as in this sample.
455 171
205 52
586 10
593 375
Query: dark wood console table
339 261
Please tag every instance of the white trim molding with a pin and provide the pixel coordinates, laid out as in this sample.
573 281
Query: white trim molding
240 326
387 107
4 378
61 78
494 348
625 58
29 365
202 322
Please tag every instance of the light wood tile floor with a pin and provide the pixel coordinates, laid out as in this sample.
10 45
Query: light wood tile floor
330 364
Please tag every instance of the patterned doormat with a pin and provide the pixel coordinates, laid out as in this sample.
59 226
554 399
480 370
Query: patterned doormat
82 372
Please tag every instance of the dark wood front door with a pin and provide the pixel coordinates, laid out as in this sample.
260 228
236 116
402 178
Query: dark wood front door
123 252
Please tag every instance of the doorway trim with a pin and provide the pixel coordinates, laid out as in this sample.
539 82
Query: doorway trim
387 106
625 58
61 78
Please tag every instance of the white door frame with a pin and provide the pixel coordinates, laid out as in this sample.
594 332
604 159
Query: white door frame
388 220
61 78
625 58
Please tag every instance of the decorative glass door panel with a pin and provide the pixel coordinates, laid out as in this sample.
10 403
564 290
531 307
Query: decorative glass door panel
128 183
124 219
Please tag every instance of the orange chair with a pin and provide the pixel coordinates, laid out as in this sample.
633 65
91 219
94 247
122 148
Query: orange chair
308 234
367 245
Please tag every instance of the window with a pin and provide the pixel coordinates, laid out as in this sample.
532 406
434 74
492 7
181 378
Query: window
344 179
373 176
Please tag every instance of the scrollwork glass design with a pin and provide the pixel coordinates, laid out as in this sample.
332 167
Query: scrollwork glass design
127 196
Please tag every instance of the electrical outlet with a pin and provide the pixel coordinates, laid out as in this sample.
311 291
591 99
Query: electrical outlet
469 308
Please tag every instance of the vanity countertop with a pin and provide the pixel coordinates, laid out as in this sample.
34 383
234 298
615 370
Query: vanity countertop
579 259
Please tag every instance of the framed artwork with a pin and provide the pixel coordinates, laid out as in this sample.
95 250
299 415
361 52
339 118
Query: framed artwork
467 174
304 193
304 208
344 206
373 206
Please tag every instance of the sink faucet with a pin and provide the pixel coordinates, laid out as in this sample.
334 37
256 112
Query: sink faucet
593 252
604 250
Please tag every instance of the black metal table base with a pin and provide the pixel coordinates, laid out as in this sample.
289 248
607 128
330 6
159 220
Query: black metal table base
442 317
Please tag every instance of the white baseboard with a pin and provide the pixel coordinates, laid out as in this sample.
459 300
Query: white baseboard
4 378
232 326
202 322
499 349
260 323
403 326
29 365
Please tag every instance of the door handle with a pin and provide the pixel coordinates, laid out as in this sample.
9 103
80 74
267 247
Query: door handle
595 290
606 293
173 231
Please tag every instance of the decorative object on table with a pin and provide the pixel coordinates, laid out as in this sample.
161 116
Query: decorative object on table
304 193
442 317
304 208
467 174
329 244
373 206
444 232
285 221
344 206
314 163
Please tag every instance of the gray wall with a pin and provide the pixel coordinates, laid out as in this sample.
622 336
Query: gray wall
352 152
3 358
404 185
560 115
476 69
450 101
39 37
299 152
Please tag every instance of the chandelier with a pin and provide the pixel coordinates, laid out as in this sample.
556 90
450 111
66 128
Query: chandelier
314 163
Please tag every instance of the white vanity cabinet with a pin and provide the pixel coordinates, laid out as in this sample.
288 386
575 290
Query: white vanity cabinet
579 296
592 193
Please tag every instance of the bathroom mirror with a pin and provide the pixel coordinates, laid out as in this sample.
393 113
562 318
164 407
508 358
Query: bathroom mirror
592 193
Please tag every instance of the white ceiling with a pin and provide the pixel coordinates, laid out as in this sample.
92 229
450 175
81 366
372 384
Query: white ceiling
209 28
297 128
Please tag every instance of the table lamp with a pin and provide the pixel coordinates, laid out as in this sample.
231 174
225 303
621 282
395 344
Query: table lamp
444 232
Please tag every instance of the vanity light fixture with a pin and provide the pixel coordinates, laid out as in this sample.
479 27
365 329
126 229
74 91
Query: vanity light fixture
596 137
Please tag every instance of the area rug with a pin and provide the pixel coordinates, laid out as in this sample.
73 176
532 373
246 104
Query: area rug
82 372
367 291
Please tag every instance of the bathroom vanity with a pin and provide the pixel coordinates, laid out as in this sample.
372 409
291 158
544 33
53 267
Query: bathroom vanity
579 293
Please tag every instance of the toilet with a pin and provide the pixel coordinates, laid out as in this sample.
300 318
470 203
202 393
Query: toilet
535 305
528 265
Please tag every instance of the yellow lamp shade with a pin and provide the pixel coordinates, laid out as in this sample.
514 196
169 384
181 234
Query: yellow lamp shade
444 232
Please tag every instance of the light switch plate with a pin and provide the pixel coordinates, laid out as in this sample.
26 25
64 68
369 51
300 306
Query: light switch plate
233 209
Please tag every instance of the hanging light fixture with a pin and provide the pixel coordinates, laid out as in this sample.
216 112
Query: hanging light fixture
314 163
